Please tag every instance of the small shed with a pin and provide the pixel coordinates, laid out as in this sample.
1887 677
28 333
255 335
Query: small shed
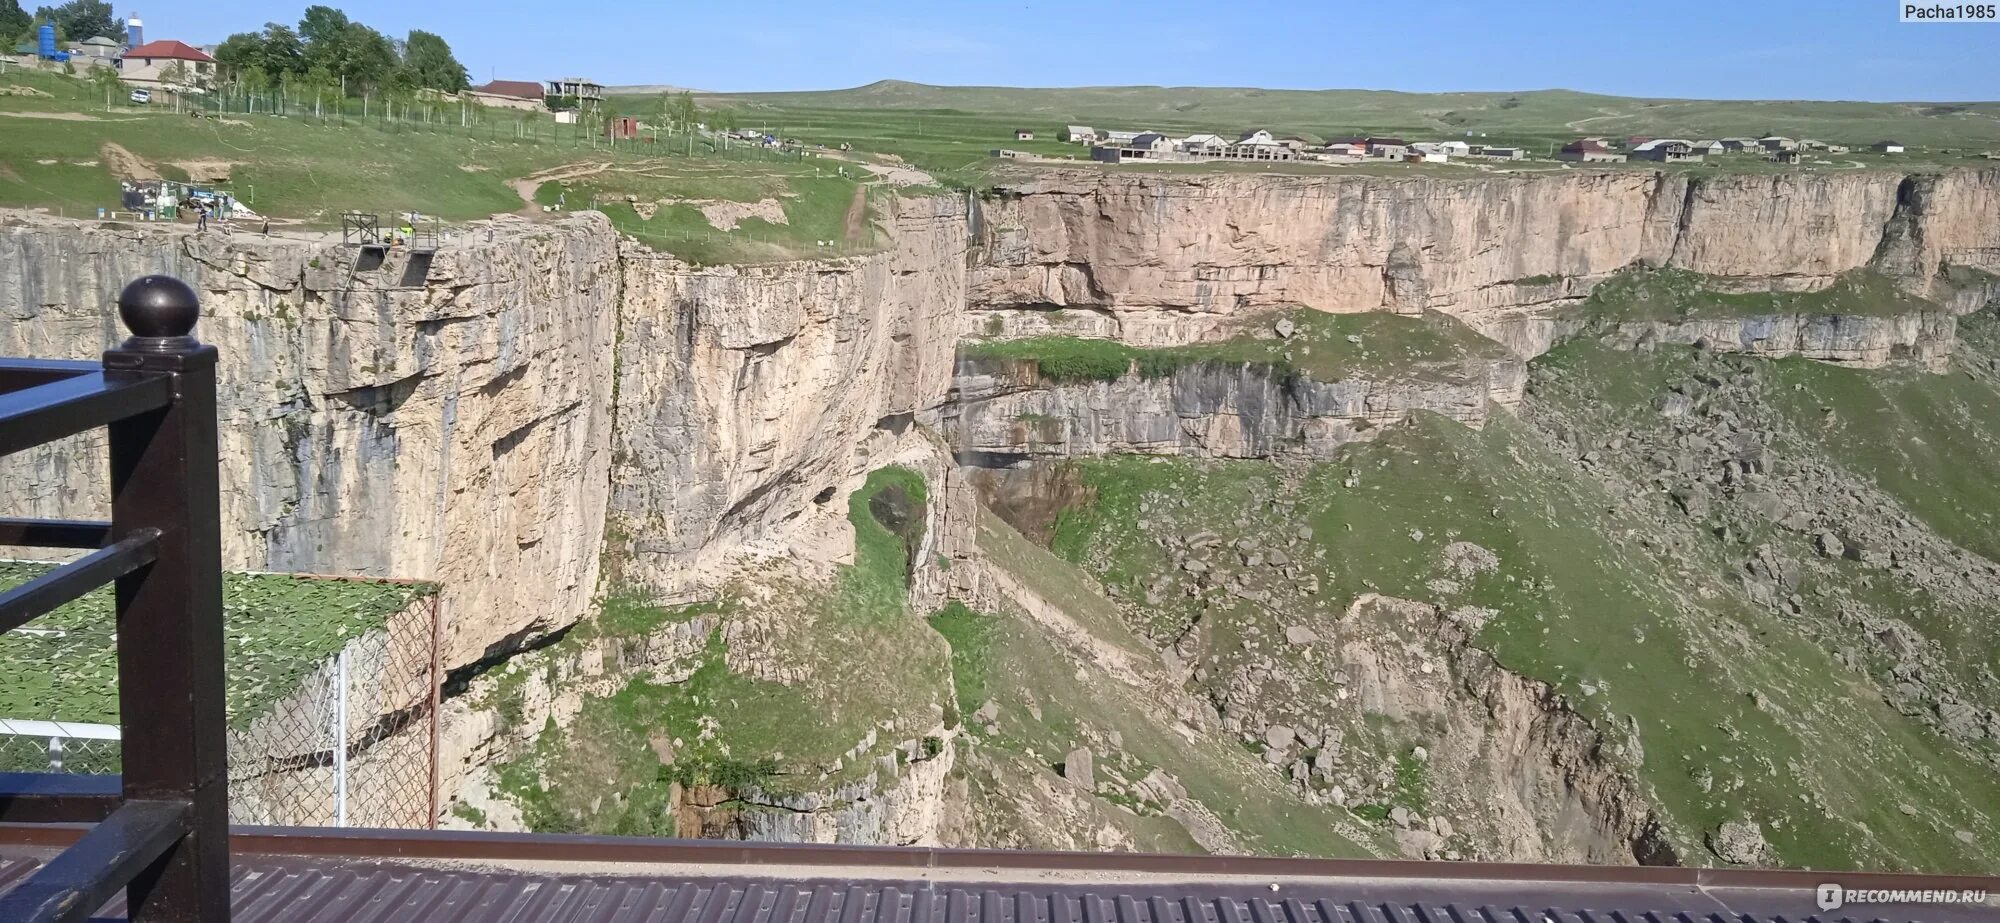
1888 147
1023 134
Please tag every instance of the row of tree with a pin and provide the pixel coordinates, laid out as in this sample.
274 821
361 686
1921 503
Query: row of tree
74 21
330 50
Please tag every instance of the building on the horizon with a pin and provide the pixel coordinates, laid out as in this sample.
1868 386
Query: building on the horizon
1589 150
1667 150
167 63
526 95
1888 147
584 91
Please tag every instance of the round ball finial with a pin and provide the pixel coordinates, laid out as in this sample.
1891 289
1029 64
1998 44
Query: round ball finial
159 307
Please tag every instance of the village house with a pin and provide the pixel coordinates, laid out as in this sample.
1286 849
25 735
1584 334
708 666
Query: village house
1079 134
1117 137
1256 136
525 95
1667 150
1416 156
1023 134
1149 145
1497 153
1708 147
1203 145
1589 150
1887 147
98 48
1785 155
1738 145
1777 143
167 62
1338 152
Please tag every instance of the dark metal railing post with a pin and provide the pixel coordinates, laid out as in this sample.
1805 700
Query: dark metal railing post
170 649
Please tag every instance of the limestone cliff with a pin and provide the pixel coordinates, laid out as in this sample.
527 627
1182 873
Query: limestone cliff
456 431
746 395
1170 259
1004 408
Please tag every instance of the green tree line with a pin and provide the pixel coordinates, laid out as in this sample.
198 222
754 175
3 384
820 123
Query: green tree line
328 50
74 21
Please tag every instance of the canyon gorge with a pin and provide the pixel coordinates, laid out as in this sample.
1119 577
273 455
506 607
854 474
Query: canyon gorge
1611 517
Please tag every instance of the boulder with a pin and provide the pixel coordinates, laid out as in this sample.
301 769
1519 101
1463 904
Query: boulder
1080 768
1740 842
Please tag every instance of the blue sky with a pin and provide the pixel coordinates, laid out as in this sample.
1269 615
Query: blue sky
1764 49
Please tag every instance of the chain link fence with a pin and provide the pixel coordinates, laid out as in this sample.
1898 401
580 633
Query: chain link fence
352 743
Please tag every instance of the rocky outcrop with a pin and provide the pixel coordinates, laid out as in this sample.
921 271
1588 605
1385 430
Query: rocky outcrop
1165 259
1923 340
456 431
1006 410
747 394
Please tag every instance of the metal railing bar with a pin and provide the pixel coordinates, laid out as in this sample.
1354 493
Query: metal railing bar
57 797
54 533
16 374
44 413
81 879
39 596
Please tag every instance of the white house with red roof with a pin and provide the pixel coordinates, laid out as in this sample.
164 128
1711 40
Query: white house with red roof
167 62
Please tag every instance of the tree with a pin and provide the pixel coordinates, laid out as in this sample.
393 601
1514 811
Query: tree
81 19
429 62
14 21
276 50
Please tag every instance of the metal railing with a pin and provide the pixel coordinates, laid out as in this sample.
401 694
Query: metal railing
161 827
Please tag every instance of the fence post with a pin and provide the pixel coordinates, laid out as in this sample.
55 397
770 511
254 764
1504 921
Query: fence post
170 671
340 740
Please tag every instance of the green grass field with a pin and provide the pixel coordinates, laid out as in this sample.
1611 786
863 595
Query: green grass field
949 128
277 627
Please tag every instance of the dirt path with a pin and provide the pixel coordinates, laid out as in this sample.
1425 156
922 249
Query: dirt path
126 165
525 186
857 215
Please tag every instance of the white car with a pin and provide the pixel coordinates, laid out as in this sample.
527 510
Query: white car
142 96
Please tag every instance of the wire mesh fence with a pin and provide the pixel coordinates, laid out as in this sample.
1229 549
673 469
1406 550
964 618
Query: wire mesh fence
352 743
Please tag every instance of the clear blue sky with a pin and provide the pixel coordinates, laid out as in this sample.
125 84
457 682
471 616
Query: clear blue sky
1762 49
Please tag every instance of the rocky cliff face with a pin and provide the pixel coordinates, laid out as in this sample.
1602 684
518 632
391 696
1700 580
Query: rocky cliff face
745 392
456 431
1170 259
1006 410
1924 340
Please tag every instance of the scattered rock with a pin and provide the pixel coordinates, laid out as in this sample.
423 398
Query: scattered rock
1740 842
1279 737
1400 816
1909 810
1299 634
987 713
1285 328
1963 836
1078 767
1829 545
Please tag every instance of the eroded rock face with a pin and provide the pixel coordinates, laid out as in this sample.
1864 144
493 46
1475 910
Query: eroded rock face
1005 408
1170 259
457 431
744 392
1924 340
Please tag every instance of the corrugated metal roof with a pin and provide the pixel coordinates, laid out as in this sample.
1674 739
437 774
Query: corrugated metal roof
317 890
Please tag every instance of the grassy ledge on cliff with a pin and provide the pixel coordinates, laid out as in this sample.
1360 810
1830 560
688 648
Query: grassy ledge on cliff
1319 346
